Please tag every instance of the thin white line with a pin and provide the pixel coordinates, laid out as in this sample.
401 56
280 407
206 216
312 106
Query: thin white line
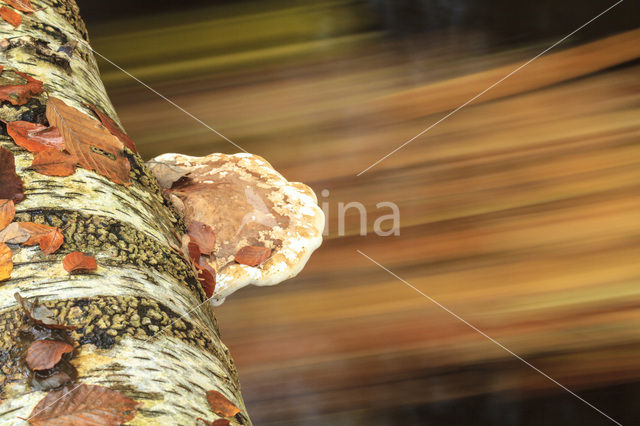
167 99
490 87
493 340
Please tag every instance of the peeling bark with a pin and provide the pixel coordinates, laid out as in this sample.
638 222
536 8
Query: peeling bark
141 287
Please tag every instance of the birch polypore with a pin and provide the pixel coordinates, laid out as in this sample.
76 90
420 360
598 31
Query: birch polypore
248 204
139 329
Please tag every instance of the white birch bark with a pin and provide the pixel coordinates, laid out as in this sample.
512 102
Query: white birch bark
142 287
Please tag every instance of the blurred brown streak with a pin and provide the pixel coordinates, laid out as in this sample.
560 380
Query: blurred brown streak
519 214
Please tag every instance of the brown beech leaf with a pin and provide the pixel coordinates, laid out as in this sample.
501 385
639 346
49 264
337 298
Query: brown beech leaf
84 405
19 94
202 234
11 16
54 163
49 238
10 183
113 127
7 212
35 137
252 255
193 250
40 314
76 261
21 5
45 354
14 234
89 141
221 405
6 264
208 282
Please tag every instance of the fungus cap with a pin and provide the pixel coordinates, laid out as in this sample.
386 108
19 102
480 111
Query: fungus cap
247 203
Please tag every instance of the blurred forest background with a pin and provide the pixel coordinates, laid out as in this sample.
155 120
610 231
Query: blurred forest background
520 212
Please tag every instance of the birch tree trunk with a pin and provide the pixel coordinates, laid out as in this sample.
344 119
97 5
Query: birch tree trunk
138 330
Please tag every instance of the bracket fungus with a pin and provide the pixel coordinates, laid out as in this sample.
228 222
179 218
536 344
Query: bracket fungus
251 208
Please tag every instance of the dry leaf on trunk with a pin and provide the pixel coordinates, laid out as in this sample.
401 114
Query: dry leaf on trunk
45 354
208 281
19 94
40 314
11 16
54 163
76 261
84 405
89 141
14 234
49 238
6 264
10 183
35 137
203 235
7 213
113 127
252 255
221 405
21 5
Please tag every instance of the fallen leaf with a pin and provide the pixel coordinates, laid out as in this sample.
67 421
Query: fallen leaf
40 314
193 251
221 405
203 235
35 137
208 282
89 141
113 127
7 212
45 354
11 16
76 261
19 94
10 183
54 163
6 264
252 255
49 238
14 234
21 5
84 405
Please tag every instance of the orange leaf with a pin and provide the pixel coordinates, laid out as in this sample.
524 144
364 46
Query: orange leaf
48 237
89 141
202 235
7 212
10 183
113 127
84 405
76 261
35 137
252 255
54 163
221 405
19 94
11 16
6 264
45 354
208 281
21 5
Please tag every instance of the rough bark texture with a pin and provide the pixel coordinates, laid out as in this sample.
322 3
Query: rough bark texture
141 285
